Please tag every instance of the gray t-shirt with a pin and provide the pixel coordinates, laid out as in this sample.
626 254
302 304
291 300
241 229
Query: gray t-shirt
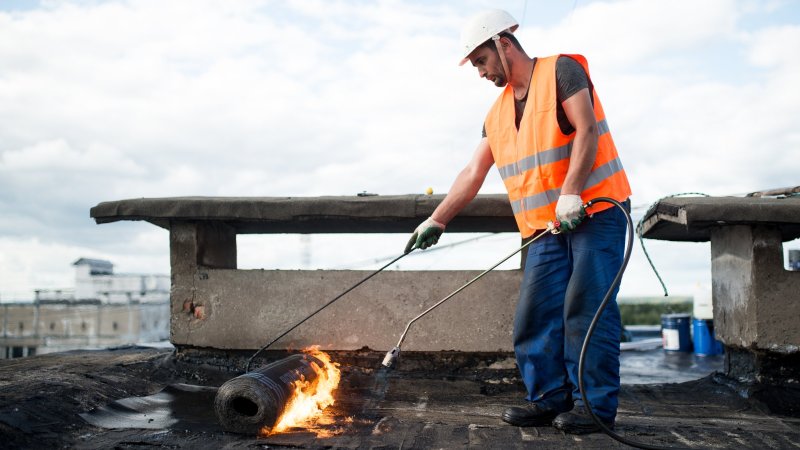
570 78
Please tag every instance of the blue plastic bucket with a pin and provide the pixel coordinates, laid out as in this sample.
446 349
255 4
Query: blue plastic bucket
675 334
705 344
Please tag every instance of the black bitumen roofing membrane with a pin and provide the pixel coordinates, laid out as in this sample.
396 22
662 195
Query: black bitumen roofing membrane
445 400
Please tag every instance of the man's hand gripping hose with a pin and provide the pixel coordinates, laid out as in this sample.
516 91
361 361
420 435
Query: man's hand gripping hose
391 355
570 212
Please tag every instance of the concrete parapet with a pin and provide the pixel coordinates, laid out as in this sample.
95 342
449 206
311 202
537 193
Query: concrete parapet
755 300
754 297
214 305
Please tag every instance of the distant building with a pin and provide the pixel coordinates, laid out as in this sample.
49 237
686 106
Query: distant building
104 309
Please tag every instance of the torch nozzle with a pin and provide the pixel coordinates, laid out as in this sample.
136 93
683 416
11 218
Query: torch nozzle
391 356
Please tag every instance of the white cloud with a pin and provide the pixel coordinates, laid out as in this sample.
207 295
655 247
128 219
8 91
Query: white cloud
57 155
124 99
769 46
28 263
634 32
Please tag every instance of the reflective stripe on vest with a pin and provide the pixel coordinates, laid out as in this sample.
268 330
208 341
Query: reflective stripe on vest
533 160
545 198
545 157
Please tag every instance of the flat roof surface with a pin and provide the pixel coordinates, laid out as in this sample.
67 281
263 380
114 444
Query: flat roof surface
455 406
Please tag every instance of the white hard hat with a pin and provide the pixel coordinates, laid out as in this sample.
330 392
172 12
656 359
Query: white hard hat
482 27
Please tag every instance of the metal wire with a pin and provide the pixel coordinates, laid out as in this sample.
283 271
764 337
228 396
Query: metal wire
550 229
438 248
249 361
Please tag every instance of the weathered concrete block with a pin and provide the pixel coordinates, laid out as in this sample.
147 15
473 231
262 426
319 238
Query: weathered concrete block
244 309
756 303
208 244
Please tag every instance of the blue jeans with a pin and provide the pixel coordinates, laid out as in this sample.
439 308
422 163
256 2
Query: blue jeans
566 277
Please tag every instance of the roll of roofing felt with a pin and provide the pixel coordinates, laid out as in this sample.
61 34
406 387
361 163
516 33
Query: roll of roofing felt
254 401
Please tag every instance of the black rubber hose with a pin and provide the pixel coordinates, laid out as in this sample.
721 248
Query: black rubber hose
593 325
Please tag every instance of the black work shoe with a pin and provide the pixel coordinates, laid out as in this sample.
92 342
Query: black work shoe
530 415
578 421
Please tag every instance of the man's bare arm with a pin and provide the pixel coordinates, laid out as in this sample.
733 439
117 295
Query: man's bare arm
466 185
580 114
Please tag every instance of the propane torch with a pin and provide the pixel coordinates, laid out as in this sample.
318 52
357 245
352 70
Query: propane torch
391 355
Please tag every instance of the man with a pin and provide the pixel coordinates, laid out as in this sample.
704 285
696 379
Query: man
548 136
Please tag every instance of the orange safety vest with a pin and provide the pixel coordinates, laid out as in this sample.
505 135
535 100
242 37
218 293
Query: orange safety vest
533 160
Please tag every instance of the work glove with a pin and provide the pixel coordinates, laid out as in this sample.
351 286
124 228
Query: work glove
426 235
569 211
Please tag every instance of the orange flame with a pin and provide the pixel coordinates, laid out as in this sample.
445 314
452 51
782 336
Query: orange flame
310 398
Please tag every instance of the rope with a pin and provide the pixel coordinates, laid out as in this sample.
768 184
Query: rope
641 239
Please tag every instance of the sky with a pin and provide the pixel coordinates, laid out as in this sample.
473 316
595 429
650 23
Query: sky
109 100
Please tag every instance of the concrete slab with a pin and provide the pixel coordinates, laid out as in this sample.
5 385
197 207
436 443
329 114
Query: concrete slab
693 218
353 214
